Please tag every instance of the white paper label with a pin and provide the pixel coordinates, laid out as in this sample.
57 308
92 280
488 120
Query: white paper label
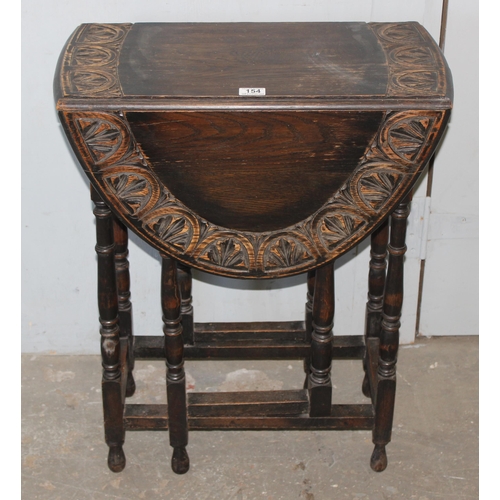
252 91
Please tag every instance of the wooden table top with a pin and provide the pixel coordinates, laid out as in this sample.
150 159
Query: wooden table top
297 60
253 149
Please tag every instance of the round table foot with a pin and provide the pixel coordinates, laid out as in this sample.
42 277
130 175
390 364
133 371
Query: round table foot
180 460
378 461
116 458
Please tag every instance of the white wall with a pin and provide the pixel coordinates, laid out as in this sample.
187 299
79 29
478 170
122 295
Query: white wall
59 309
450 296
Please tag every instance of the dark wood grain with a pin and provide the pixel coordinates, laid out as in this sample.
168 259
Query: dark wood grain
247 403
344 347
286 58
256 330
341 417
254 171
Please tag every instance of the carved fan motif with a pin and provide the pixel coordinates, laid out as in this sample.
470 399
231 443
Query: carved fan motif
337 227
102 33
377 187
101 137
286 252
90 55
408 136
399 33
412 55
174 229
227 252
94 82
132 189
416 81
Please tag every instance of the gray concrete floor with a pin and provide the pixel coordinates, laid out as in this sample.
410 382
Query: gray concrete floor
433 453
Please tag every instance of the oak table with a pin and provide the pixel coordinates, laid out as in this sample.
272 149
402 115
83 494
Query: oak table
251 150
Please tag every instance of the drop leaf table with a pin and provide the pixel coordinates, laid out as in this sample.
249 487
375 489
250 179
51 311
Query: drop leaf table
251 150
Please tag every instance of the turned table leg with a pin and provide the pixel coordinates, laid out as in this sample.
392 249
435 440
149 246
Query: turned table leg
376 284
186 285
320 383
176 379
124 304
389 338
114 430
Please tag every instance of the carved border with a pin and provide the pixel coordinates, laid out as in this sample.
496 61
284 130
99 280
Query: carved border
119 170
414 66
90 64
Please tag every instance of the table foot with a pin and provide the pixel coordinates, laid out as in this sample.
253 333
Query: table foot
378 461
180 460
116 459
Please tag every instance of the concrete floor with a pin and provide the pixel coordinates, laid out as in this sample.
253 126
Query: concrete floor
433 453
